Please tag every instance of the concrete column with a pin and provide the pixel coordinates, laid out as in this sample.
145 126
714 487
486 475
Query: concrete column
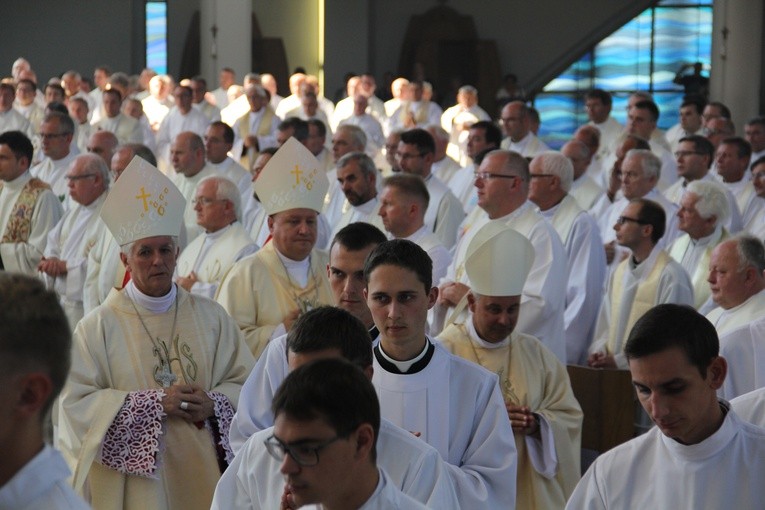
737 58
231 46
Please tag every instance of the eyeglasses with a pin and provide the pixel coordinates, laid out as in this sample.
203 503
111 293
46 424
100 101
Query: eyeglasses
48 136
621 220
682 154
73 178
539 176
488 175
206 201
305 456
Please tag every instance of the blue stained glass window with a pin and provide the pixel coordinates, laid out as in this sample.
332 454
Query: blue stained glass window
644 54
156 36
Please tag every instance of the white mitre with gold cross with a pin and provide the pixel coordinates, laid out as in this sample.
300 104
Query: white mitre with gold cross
292 179
498 265
143 203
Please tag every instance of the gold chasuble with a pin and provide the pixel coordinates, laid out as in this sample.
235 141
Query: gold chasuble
530 375
249 156
125 453
646 297
259 293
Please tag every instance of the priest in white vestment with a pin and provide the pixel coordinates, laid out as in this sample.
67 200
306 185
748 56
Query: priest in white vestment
502 182
414 110
190 166
10 119
156 371
346 279
520 138
456 121
181 118
444 167
357 177
731 162
219 140
267 291
403 203
36 348
28 207
597 105
703 211
342 470
453 404
700 454
415 154
584 188
256 129
695 155
345 140
643 280
691 123
737 282
551 176
206 260
541 407
367 123
64 265
56 132
482 137
125 128
413 466
639 174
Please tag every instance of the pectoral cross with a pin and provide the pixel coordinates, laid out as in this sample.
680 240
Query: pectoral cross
143 196
164 376
298 172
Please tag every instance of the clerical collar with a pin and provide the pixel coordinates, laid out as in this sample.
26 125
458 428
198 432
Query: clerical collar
374 332
154 304
480 342
703 241
214 236
412 366
19 182
296 269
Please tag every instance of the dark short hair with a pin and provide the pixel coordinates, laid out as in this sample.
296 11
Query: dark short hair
404 254
756 121
113 92
299 126
701 144
420 139
669 325
601 95
650 106
319 125
697 102
743 148
724 110
228 132
19 144
34 331
55 86
491 132
651 213
357 236
759 161
328 327
331 390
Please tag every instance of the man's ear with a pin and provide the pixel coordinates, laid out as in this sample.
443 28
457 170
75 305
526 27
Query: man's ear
716 372
365 441
34 390
123 258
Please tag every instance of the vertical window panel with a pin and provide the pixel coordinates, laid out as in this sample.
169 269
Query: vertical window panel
156 36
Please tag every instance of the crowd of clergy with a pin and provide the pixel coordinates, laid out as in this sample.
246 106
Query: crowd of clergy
231 299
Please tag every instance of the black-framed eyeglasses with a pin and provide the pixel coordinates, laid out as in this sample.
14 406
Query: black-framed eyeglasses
73 178
305 455
489 175
539 176
621 220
